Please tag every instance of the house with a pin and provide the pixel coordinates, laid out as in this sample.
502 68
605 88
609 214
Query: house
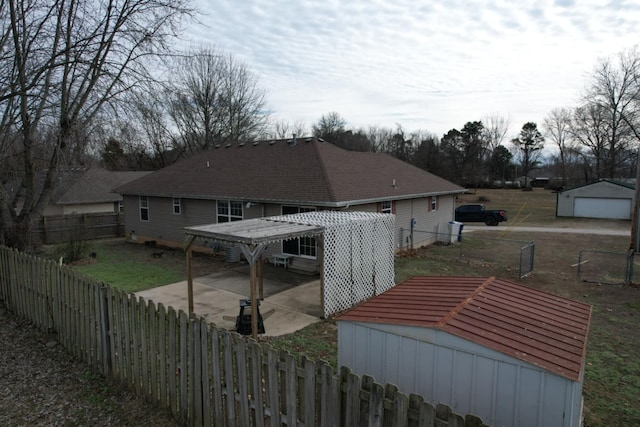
608 199
84 190
82 206
268 178
510 354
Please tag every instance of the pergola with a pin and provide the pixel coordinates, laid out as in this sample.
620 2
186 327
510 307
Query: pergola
252 236
355 252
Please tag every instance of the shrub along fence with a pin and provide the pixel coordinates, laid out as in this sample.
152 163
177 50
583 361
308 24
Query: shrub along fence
202 375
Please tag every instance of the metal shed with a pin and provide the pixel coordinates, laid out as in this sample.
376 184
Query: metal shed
607 199
355 249
510 354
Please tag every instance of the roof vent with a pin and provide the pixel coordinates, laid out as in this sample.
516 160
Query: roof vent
256 143
320 139
293 141
308 140
227 145
272 142
241 144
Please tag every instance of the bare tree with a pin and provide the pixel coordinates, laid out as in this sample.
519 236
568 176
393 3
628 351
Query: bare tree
283 129
558 128
330 127
613 94
215 99
495 130
62 62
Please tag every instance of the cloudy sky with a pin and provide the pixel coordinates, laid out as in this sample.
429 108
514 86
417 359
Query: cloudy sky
425 64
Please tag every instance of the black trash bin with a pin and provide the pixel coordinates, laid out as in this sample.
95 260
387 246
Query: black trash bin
243 321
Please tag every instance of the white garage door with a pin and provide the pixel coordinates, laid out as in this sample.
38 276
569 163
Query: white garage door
587 207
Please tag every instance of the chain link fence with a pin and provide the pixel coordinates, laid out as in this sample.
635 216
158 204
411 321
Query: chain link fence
508 253
611 268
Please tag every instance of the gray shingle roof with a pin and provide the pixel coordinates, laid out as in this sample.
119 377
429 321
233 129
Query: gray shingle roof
310 172
93 185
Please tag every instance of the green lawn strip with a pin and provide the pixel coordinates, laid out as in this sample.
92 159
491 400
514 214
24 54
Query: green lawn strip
131 276
131 271
316 341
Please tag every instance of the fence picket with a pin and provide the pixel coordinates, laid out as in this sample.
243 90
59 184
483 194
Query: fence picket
257 374
152 318
229 387
205 373
242 381
183 365
273 387
291 388
172 350
163 356
195 373
216 368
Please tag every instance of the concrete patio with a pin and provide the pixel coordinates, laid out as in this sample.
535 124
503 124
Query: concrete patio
291 301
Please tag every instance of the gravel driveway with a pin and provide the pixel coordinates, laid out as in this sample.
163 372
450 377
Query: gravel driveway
41 385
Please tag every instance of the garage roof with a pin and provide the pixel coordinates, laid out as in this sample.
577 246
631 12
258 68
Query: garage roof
531 325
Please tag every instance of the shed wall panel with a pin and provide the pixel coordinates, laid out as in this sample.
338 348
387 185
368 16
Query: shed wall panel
468 377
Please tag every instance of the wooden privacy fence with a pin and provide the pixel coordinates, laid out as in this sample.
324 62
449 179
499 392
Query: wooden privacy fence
64 228
202 375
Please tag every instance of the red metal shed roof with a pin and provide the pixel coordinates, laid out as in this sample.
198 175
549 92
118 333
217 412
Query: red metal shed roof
531 325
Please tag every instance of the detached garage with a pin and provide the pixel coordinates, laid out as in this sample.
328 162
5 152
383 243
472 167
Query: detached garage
510 354
607 199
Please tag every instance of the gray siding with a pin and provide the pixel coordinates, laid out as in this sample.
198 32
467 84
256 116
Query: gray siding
600 190
468 377
163 225
167 228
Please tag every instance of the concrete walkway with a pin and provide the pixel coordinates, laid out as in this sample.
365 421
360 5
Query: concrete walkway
289 304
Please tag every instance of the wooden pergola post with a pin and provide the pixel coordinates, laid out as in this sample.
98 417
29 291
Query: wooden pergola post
253 253
189 253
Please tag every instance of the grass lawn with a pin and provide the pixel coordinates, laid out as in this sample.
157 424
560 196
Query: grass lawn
612 374
127 266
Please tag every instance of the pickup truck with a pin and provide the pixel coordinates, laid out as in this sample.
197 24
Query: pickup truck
478 213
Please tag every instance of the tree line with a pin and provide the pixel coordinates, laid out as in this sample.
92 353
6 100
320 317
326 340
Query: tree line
85 81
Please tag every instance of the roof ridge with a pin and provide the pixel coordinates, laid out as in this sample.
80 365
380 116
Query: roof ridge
325 174
466 301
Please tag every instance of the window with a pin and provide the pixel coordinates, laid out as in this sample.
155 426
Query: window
304 246
144 208
177 207
229 211
434 203
121 206
388 207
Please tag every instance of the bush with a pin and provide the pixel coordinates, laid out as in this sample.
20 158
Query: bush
73 250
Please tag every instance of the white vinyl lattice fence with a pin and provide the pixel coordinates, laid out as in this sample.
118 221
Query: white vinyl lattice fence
358 255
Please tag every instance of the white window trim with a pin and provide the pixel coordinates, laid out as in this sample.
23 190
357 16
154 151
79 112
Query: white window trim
145 206
228 215
177 205
300 209
386 209
434 203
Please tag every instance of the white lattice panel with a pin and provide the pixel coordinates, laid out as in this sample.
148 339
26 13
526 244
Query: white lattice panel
358 255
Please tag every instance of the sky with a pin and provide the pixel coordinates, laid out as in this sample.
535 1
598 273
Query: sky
429 65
